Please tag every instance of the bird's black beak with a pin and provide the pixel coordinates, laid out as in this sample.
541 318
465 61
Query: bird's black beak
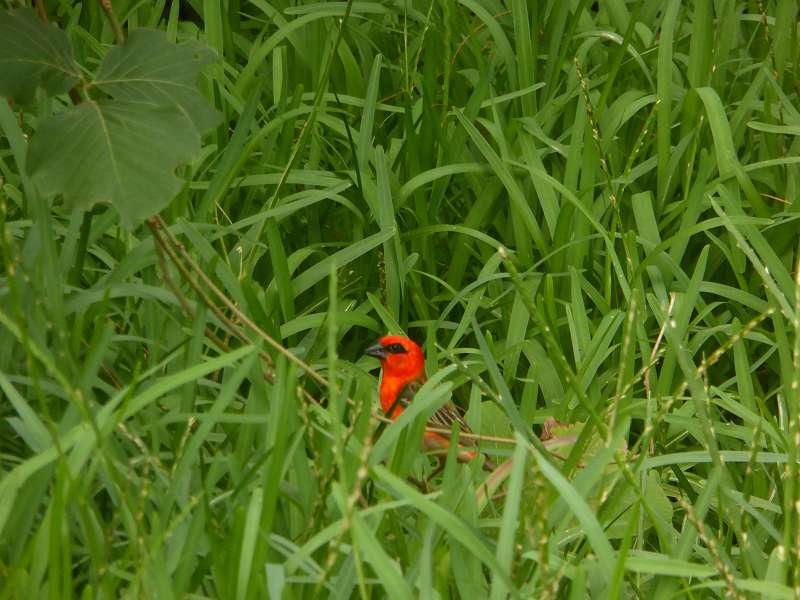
377 351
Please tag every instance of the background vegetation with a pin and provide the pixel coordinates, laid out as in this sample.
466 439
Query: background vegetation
587 211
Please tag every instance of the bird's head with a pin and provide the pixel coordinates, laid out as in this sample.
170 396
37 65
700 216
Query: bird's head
400 357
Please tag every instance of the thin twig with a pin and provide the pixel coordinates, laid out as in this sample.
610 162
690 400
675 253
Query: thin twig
206 300
277 346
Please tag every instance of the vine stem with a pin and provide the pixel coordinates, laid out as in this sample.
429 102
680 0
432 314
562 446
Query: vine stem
42 12
108 9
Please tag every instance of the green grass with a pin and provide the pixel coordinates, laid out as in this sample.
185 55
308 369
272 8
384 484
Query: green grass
582 213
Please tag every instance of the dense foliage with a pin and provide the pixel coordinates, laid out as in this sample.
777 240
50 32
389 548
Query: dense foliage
588 212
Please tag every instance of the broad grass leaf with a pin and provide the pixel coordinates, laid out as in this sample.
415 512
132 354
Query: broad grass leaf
387 569
118 152
33 54
641 561
582 511
657 501
495 422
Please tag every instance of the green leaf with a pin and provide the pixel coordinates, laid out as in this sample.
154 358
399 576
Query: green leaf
320 270
247 554
148 68
119 152
461 531
586 517
495 422
124 151
33 54
641 561
387 570
511 521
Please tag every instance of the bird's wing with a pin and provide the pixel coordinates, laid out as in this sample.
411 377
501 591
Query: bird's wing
444 417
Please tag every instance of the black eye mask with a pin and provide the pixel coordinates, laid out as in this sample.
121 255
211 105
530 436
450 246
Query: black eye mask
396 349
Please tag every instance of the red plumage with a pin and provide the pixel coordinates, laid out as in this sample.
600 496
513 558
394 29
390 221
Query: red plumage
403 367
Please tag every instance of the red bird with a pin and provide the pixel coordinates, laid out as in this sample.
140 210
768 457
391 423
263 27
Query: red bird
403 365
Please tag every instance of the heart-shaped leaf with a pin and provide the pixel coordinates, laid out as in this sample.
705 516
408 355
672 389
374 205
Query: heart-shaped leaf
148 68
124 150
120 152
33 54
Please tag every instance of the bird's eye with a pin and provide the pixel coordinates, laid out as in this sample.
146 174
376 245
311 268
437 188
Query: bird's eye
396 348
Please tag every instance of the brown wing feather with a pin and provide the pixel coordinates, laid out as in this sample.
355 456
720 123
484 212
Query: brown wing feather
444 417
